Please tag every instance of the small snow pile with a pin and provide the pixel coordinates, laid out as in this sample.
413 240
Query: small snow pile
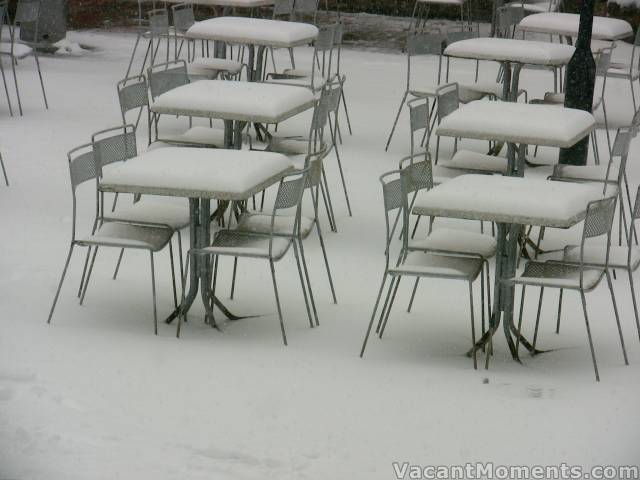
626 3
67 47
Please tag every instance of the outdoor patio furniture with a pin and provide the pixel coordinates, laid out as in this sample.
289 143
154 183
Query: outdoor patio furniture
512 203
321 64
282 8
337 44
27 12
508 18
200 175
237 103
271 246
4 170
421 11
82 168
253 32
206 67
158 30
567 24
620 258
416 263
628 70
260 223
4 18
536 6
580 274
133 95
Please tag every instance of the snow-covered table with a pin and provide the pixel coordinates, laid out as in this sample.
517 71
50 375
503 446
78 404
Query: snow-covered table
199 174
510 51
518 123
512 203
566 25
234 102
230 3
253 32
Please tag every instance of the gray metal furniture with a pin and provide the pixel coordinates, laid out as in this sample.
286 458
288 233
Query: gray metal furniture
337 44
508 18
415 263
417 45
306 8
27 12
4 18
133 95
579 275
271 247
421 11
4 171
82 168
257 222
628 71
158 21
282 8
203 67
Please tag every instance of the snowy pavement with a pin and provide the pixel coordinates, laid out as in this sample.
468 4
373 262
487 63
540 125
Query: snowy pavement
95 395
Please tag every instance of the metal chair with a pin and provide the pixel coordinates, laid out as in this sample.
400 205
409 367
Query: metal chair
3 19
133 95
257 222
579 275
308 8
417 45
158 21
271 247
4 171
421 11
415 263
27 12
509 16
82 168
337 43
282 8
321 64
199 67
628 71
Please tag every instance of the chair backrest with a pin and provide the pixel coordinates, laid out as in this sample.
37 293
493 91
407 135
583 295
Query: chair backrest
27 11
418 117
282 7
167 76
320 119
323 52
290 192
417 175
598 221
394 198
132 94
306 7
115 144
183 17
424 43
464 32
82 168
448 99
158 22
508 17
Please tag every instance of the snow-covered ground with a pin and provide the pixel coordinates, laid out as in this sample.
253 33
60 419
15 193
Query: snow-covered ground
95 395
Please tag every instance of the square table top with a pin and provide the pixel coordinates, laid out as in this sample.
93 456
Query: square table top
196 173
254 31
233 100
512 50
517 200
556 23
529 124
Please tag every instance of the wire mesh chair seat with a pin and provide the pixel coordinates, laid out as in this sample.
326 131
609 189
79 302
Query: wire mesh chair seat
267 246
396 188
83 168
579 275
27 13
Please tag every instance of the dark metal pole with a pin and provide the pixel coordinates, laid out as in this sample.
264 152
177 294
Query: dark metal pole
581 77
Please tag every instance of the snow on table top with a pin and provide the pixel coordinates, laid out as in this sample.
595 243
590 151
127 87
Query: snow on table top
547 125
197 173
512 50
604 28
254 31
230 3
232 100
517 200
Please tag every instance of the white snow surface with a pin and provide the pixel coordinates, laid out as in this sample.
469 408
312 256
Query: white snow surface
556 23
95 395
254 31
235 100
531 124
512 50
196 172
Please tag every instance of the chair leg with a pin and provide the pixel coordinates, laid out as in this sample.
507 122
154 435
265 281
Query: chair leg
615 310
308 279
64 273
586 321
524 287
173 275
4 171
6 89
633 95
395 122
44 94
326 262
560 311
153 291
413 294
302 283
633 298
327 199
115 200
15 81
84 271
535 333
86 282
346 112
275 290
115 273
373 314
182 313
133 54
386 302
473 326
393 299
233 277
